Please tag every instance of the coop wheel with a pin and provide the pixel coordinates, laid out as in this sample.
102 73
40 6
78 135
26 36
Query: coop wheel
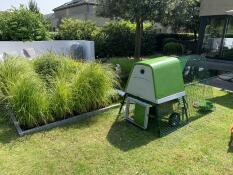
174 119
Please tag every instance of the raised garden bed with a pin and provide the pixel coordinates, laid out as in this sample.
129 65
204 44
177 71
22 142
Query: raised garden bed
50 90
21 132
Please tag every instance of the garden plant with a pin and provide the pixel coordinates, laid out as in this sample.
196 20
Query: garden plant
53 87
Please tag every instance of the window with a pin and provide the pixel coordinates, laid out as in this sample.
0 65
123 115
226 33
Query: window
228 41
213 36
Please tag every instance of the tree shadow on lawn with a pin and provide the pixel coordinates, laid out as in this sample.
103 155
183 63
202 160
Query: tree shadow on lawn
225 100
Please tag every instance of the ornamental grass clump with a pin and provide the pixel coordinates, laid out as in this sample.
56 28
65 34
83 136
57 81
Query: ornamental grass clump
93 87
28 99
61 101
53 87
23 92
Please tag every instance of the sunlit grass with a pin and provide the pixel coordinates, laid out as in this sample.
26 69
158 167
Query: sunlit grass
104 145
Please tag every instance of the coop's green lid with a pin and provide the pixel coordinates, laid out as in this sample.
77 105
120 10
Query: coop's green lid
165 77
159 61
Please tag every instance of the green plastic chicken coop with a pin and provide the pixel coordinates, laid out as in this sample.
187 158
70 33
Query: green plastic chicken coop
154 86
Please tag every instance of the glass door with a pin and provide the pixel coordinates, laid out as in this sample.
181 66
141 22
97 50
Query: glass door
228 41
214 33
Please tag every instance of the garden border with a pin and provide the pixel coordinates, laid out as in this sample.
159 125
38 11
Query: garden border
71 120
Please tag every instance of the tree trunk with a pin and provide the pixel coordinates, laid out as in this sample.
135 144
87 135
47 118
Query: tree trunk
138 38
195 35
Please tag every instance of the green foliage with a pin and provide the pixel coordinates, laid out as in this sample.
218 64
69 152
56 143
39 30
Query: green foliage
125 63
29 100
182 14
116 39
137 11
74 29
61 100
47 66
130 9
105 146
173 48
169 40
53 87
93 87
32 6
22 24
23 91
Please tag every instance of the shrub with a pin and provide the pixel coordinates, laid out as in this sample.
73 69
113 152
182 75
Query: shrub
169 40
74 29
173 49
115 39
22 24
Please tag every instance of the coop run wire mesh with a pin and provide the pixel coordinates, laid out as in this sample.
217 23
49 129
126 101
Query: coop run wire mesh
167 117
198 96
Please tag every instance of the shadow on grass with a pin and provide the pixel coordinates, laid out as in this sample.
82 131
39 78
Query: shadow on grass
230 149
125 136
7 131
225 100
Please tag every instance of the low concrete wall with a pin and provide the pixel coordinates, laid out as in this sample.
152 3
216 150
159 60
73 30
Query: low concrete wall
60 47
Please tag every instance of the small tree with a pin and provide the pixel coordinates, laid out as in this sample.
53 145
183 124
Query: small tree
182 14
22 24
135 10
32 6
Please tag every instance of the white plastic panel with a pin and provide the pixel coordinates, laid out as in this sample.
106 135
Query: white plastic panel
141 83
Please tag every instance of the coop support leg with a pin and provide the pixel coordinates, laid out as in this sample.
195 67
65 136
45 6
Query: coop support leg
185 109
122 104
157 121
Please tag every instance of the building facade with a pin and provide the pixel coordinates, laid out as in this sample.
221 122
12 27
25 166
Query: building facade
80 9
216 29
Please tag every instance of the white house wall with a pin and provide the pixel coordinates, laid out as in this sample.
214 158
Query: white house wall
215 7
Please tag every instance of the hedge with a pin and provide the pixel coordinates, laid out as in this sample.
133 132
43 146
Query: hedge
116 39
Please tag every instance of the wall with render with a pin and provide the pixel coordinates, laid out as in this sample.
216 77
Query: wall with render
15 48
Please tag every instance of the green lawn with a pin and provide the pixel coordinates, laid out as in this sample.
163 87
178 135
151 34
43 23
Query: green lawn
104 145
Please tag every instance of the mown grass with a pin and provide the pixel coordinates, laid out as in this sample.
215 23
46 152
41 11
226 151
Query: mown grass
104 145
